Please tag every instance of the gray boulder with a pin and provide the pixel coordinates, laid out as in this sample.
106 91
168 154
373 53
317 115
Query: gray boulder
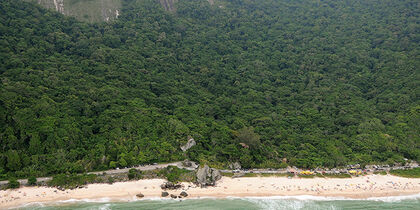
169 186
164 194
235 166
173 196
191 142
183 194
140 195
207 176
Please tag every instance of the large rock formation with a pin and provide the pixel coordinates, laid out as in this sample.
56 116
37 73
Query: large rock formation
91 11
207 176
188 145
96 10
169 5
235 166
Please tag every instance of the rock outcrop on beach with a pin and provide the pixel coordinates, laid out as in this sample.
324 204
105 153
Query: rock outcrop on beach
183 194
207 176
164 194
140 195
170 186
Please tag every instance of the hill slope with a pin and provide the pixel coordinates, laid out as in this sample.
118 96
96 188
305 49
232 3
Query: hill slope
320 83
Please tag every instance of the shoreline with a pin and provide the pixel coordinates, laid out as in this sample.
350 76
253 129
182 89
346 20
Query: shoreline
364 187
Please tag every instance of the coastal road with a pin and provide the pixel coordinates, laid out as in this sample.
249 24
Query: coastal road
115 171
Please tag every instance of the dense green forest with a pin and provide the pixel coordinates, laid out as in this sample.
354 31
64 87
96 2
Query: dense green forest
309 82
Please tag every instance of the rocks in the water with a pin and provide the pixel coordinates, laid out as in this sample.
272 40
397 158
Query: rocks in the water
173 196
140 195
207 176
191 142
183 194
235 166
170 186
164 194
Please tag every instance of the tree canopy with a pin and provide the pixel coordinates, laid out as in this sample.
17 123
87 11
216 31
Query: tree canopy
320 83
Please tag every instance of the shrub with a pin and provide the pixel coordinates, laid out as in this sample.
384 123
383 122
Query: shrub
32 180
73 180
175 174
13 183
409 173
111 180
134 174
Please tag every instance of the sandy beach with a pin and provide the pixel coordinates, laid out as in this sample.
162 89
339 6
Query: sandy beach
357 187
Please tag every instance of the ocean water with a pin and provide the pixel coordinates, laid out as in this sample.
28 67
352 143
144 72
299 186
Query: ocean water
251 203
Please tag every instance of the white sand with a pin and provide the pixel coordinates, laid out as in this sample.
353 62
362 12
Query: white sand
358 187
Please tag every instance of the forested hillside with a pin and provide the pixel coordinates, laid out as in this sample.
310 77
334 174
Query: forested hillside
309 82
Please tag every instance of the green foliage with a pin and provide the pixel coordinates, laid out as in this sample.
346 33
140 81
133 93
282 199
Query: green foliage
409 173
13 183
290 79
13 160
380 173
341 176
111 180
306 176
175 174
112 164
72 180
134 174
32 180
249 137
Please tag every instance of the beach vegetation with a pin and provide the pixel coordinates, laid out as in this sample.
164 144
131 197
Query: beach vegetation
227 174
340 175
175 174
110 180
72 180
32 181
13 183
380 173
408 173
306 176
134 174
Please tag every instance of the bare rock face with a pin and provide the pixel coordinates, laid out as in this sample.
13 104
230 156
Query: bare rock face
235 166
164 194
207 176
191 142
169 5
90 11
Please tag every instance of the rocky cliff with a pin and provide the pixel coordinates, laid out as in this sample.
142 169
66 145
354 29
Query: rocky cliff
96 10
91 10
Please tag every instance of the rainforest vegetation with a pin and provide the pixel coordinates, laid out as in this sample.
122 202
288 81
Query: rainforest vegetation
267 83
